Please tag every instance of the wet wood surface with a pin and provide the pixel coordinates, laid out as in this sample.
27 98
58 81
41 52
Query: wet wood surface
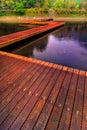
37 95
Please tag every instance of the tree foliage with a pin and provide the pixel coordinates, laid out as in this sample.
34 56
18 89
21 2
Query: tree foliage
19 6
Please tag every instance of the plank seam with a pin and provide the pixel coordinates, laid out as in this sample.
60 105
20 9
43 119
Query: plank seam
64 101
74 102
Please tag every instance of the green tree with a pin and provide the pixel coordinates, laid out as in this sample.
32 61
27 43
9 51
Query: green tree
32 3
10 4
46 5
29 3
59 3
19 8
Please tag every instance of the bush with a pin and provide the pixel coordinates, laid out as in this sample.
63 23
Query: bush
36 12
19 9
2 12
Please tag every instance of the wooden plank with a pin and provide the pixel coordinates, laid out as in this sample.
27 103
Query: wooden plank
10 79
36 20
31 103
5 60
9 71
84 121
11 66
18 108
41 96
19 93
45 114
32 118
8 67
12 73
12 85
67 110
78 105
55 112
23 58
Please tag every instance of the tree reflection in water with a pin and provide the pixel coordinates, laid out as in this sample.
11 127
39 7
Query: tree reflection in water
74 31
41 46
28 50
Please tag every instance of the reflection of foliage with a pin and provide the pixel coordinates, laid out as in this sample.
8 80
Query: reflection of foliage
41 46
76 31
28 50
7 28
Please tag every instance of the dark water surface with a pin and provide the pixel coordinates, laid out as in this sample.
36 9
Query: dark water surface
7 28
66 46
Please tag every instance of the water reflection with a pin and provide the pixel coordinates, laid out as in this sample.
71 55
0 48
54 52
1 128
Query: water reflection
7 28
28 50
74 31
66 47
41 46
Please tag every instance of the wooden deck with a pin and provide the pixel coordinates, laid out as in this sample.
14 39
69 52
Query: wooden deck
37 95
18 36
35 21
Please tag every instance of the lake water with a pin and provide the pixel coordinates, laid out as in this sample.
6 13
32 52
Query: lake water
65 46
7 28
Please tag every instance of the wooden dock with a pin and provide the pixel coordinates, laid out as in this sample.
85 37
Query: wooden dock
37 95
18 36
35 21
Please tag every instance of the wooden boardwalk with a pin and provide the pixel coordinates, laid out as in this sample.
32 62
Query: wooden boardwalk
35 21
37 95
18 36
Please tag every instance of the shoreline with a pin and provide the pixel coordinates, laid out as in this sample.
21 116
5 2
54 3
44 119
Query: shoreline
18 18
72 19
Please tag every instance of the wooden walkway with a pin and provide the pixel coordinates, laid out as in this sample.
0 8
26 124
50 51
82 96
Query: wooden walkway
37 95
35 21
18 36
